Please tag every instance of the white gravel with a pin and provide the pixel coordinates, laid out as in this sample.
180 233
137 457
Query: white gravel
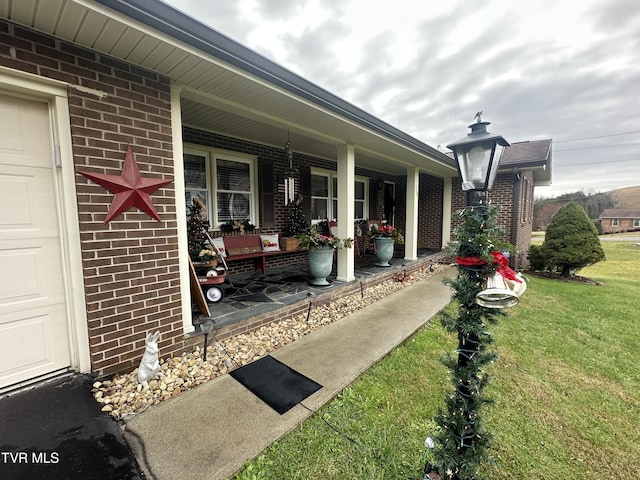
122 396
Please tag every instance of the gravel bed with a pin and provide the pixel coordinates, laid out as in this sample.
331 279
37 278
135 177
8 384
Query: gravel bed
122 396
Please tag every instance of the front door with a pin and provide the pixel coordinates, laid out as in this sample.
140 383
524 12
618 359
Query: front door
34 338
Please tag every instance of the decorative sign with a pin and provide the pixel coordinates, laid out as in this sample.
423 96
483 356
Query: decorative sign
130 188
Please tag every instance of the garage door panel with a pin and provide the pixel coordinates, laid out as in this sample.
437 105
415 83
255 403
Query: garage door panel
11 213
26 207
32 273
30 344
34 337
20 121
22 282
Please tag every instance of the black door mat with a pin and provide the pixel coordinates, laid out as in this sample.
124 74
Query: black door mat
276 384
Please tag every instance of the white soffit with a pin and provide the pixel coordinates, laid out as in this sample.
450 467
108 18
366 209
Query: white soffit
244 105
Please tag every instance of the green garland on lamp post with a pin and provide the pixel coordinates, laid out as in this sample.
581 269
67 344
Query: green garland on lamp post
462 443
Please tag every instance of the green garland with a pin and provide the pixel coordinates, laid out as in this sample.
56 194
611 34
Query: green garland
461 442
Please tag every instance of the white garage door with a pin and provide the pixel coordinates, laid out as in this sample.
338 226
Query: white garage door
34 339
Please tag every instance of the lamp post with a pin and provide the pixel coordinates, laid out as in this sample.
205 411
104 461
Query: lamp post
462 442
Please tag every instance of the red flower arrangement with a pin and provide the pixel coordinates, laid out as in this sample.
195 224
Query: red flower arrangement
386 231
310 238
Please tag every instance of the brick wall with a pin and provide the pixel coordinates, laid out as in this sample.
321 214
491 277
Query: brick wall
522 218
131 264
430 211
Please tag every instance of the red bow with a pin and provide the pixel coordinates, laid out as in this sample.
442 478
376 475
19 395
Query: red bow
499 260
503 267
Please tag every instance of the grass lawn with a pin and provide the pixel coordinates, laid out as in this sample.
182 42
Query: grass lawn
566 391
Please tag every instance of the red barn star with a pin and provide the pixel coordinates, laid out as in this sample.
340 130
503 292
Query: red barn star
130 189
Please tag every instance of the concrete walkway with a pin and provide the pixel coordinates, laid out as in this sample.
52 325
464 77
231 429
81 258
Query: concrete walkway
209 432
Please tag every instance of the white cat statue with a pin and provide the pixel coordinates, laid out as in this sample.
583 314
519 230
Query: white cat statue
149 365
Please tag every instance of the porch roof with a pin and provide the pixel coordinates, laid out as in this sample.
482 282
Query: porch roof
619 213
227 88
530 155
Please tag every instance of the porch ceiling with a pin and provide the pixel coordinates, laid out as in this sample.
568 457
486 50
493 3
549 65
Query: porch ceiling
227 88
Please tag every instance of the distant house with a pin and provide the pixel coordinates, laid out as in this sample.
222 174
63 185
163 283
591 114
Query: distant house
82 81
615 220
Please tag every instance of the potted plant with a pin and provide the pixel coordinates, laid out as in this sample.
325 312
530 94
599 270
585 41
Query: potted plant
321 248
385 237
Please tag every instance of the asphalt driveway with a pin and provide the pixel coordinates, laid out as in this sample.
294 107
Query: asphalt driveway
56 431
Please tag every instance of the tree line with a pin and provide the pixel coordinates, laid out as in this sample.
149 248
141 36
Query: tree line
593 205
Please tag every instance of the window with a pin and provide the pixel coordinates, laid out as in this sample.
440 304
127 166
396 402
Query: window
224 182
319 197
196 182
360 200
233 190
324 187
615 222
636 222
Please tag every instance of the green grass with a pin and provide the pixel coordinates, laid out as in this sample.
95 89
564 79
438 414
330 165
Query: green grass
567 403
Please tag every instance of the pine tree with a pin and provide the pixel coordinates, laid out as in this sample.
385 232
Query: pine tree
297 221
571 241
197 228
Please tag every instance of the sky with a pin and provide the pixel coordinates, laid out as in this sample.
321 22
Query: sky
568 71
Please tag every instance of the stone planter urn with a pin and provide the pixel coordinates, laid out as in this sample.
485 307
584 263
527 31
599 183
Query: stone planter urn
384 250
320 265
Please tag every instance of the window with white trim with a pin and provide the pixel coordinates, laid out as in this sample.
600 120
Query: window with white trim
224 181
319 197
615 222
636 222
324 197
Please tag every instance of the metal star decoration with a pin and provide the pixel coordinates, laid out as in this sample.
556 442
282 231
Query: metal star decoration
130 188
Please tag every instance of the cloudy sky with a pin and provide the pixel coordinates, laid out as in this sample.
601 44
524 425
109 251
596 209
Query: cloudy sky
569 71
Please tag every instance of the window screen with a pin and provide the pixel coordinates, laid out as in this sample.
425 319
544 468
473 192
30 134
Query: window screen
233 197
319 197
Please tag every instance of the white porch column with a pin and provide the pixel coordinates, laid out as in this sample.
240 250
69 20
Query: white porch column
411 235
346 209
181 210
446 212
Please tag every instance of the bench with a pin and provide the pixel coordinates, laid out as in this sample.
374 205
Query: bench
245 247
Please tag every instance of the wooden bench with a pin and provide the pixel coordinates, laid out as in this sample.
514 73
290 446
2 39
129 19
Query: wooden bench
245 247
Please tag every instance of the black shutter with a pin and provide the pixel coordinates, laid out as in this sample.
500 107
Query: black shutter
267 184
305 190
373 199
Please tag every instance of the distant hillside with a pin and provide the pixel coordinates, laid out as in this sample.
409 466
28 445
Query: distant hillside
627 198
593 204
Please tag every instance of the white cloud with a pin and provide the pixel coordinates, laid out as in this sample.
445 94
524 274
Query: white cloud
538 68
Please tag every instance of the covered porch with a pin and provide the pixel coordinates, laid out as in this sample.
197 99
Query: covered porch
345 170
